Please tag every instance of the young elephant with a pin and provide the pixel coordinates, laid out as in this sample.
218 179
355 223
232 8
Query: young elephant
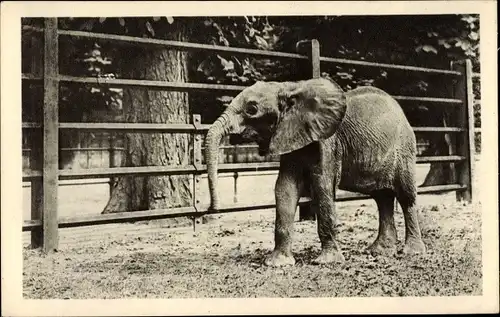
358 141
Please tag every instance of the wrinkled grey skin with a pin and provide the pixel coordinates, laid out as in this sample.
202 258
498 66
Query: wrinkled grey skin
358 141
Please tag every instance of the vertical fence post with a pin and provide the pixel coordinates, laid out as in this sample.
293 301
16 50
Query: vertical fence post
314 58
465 119
306 212
36 188
36 141
50 136
197 156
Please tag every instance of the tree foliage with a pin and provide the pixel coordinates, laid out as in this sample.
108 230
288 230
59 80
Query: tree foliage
427 40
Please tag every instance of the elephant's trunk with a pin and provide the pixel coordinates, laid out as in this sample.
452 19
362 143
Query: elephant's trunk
220 128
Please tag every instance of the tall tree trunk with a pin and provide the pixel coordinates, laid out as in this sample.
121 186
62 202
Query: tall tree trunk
441 144
133 193
439 173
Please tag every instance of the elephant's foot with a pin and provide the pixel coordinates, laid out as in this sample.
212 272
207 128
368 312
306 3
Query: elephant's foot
329 256
383 246
278 259
414 246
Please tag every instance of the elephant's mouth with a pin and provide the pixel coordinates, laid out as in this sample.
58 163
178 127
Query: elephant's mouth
244 138
263 148
235 139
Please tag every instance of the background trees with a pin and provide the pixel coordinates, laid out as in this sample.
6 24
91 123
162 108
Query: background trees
431 41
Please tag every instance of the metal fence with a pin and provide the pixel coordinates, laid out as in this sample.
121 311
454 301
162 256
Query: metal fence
44 180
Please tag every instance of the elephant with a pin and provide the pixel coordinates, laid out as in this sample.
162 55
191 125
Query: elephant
357 140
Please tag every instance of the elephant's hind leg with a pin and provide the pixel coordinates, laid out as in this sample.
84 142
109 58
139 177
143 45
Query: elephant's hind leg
413 237
385 243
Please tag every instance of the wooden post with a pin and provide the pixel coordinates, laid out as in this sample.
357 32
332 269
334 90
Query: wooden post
314 58
306 212
50 136
197 156
36 155
465 119
36 188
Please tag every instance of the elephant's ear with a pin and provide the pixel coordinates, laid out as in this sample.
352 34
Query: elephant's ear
310 111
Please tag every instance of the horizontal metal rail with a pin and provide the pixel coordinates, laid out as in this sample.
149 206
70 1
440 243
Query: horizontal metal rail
236 51
107 149
31 125
389 66
190 211
440 188
348 196
125 171
102 181
137 127
91 149
65 222
444 158
31 77
225 147
78 221
191 169
152 84
85 149
174 127
429 99
154 170
181 86
438 129
129 127
185 46
97 182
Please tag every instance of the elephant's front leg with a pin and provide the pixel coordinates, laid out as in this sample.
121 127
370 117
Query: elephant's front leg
324 185
287 194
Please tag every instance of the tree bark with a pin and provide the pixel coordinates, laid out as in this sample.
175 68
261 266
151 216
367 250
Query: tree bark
439 173
133 193
441 144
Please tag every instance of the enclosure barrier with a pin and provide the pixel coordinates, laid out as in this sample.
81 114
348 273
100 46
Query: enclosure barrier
45 173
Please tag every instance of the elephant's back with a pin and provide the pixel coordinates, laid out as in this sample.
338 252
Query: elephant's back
376 111
370 103
376 140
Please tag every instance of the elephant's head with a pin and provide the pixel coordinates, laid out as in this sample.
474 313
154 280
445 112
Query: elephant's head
280 117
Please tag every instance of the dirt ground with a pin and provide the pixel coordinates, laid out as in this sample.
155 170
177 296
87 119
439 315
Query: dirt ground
224 258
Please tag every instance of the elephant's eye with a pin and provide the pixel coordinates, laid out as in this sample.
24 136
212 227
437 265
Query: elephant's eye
251 109
291 102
